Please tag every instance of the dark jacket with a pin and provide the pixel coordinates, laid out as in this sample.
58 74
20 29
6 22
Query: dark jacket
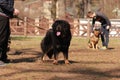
101 18
7 7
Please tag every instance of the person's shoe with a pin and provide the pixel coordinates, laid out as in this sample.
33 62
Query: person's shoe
8 49
104 48
2 63
6 60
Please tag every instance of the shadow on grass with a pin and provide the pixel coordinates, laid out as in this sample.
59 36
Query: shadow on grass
37 56
71 73
89 74
111 48
29 51
76 70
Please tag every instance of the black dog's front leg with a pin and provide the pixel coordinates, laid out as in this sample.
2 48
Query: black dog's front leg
65 53
55 52
66 58
42 57
55 56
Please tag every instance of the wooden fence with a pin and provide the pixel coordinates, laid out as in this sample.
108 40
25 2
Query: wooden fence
38 27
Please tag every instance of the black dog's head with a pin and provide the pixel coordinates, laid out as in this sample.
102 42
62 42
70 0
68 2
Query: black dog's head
61 28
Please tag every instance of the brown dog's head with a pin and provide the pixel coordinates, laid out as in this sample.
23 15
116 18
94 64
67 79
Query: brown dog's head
97 32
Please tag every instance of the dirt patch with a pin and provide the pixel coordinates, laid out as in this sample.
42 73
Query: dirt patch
86 64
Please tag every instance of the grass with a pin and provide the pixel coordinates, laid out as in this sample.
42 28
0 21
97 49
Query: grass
35 41
87 64
21 38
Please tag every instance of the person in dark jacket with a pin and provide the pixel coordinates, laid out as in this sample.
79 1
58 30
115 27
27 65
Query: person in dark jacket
7 11
105 26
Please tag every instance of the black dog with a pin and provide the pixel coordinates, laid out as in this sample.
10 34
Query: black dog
57 40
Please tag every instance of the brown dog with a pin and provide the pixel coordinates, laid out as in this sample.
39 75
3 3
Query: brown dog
93 41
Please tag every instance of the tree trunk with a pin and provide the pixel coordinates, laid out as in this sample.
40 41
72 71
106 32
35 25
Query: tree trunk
60 9
53 9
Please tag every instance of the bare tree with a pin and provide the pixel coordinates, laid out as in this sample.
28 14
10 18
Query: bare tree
53 9
60 8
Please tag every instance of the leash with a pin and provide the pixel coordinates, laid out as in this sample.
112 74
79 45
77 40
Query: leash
30 23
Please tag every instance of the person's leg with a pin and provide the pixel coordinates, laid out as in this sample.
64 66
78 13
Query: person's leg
103 36
4 35
9 42
106 38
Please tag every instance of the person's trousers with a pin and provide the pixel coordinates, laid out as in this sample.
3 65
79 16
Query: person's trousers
104 36
4 36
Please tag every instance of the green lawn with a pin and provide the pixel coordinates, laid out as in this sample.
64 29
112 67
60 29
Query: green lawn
76 42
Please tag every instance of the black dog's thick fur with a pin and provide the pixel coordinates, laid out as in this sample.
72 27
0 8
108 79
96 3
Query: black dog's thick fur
57 40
